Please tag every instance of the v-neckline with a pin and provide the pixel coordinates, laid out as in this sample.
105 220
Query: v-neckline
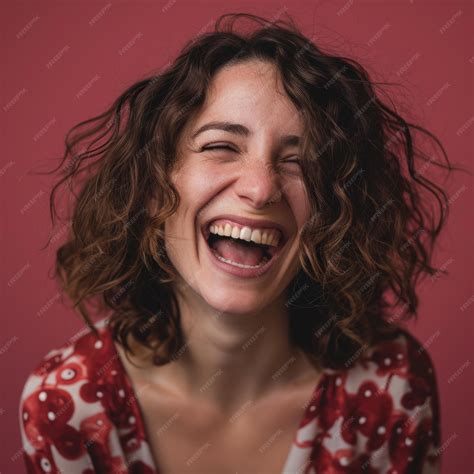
140 421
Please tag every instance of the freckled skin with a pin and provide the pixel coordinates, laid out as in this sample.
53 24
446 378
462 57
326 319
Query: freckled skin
220 313
240 183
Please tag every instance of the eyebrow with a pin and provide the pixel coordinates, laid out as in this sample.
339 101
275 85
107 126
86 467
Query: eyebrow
242 130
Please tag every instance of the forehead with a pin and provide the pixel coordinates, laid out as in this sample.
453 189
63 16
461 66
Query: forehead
250 93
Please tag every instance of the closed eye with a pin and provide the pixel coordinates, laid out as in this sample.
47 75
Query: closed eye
218 147
294 160
224 146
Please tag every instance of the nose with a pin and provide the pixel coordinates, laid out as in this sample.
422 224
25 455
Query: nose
258 184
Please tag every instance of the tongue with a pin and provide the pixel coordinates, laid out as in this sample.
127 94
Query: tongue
239 252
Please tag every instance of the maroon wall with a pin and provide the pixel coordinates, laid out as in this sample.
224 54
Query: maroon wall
65 61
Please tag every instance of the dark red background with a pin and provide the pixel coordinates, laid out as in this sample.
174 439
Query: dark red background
101 47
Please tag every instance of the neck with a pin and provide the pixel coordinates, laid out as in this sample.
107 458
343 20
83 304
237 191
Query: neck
232 359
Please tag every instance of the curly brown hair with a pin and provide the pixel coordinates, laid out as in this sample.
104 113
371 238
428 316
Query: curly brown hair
371 233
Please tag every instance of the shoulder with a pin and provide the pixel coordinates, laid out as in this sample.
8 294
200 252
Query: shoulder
394 393
382 408
67 400
77 360
400 354
400 365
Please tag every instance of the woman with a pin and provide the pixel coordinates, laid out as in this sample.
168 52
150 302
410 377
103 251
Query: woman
246 216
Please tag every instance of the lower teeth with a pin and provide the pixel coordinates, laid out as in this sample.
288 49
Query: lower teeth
241 265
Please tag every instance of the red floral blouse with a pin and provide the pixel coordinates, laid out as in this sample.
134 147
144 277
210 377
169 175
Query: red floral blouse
78 414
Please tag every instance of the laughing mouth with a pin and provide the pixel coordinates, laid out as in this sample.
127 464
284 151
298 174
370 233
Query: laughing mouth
268 250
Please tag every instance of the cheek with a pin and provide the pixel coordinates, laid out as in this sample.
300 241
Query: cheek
195 185
299 203
195 182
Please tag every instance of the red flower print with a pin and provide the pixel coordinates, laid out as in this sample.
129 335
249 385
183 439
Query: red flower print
41 461
390 357
367 412
48 365
69 374
46 413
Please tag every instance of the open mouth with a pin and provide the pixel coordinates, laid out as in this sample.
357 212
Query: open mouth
243 252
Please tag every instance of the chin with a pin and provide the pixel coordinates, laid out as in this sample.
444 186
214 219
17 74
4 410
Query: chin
236 302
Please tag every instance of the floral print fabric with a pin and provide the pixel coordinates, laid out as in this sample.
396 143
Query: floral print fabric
78 414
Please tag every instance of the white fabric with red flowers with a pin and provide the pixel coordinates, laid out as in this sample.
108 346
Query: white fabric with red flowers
79 414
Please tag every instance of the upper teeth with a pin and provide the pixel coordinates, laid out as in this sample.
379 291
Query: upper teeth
259 236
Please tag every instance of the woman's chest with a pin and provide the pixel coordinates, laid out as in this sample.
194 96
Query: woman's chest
252 440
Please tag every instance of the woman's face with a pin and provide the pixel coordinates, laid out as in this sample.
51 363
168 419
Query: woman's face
249 176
